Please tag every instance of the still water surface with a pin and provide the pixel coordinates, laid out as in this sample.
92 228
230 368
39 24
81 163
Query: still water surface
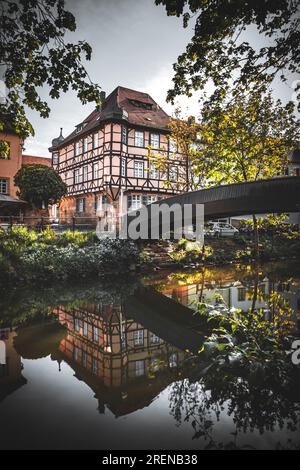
105 366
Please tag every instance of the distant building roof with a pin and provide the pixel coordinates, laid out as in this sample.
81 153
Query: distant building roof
123 104
294 156
32 159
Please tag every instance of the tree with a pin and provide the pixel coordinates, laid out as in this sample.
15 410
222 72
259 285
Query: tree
39 185
218 51
33 54
192 174
248 138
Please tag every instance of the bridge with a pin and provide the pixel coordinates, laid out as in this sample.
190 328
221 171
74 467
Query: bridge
276 195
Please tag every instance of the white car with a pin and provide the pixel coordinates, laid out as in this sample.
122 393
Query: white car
220 229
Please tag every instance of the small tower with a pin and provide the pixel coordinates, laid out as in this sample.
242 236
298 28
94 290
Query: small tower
58 139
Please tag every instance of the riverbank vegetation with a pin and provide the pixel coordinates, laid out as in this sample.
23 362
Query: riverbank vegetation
39 256
281 242
30 256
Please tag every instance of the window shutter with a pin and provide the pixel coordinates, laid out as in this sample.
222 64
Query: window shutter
129 202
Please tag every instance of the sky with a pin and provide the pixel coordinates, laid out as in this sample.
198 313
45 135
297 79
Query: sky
134 45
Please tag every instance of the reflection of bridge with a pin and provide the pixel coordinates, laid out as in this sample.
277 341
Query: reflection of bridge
168 319
275 195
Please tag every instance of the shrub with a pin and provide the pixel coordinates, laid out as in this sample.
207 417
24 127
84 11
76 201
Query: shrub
52 262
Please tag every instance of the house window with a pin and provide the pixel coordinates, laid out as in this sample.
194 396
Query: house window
139 139
124 135
95 140
76 149
77 325
102 201
148 200
84 358
85 173
55 158
96 170
96 334
139 368
95 365
3 186
153 338
172 145
85 328
139 169
173 360
138 337
154 173
80 204
6 156
154 141
76 353
123 167
123 340
134 202
241 294
85 144
173 173
76 176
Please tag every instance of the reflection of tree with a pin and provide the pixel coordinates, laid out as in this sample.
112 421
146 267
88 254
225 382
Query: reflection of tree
252 405
25 306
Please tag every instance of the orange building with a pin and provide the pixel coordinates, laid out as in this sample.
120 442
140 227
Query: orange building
10 166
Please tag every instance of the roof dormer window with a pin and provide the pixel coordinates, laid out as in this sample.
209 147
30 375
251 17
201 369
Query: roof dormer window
79 127
141 104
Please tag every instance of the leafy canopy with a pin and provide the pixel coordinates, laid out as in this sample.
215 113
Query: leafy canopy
39 185
34 54
244 138
248 137
220 50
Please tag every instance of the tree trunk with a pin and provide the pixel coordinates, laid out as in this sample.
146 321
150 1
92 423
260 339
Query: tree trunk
255 238
255 288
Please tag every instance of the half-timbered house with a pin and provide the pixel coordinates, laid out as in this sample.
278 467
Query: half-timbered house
111 154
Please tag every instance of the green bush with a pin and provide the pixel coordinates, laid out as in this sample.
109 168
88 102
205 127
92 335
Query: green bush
52 262
26 254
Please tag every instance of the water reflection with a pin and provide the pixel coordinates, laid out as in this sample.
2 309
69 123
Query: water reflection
116 356
243 288
128 343
11 367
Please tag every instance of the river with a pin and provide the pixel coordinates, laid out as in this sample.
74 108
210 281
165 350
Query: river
106 365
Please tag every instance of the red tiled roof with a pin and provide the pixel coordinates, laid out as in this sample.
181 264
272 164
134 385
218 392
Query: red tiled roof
32 159
132 106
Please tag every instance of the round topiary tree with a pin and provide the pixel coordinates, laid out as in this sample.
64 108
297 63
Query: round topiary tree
39 185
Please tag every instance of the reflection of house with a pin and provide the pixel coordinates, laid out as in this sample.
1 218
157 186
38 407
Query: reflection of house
11 371
234 294
116 356
290 291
